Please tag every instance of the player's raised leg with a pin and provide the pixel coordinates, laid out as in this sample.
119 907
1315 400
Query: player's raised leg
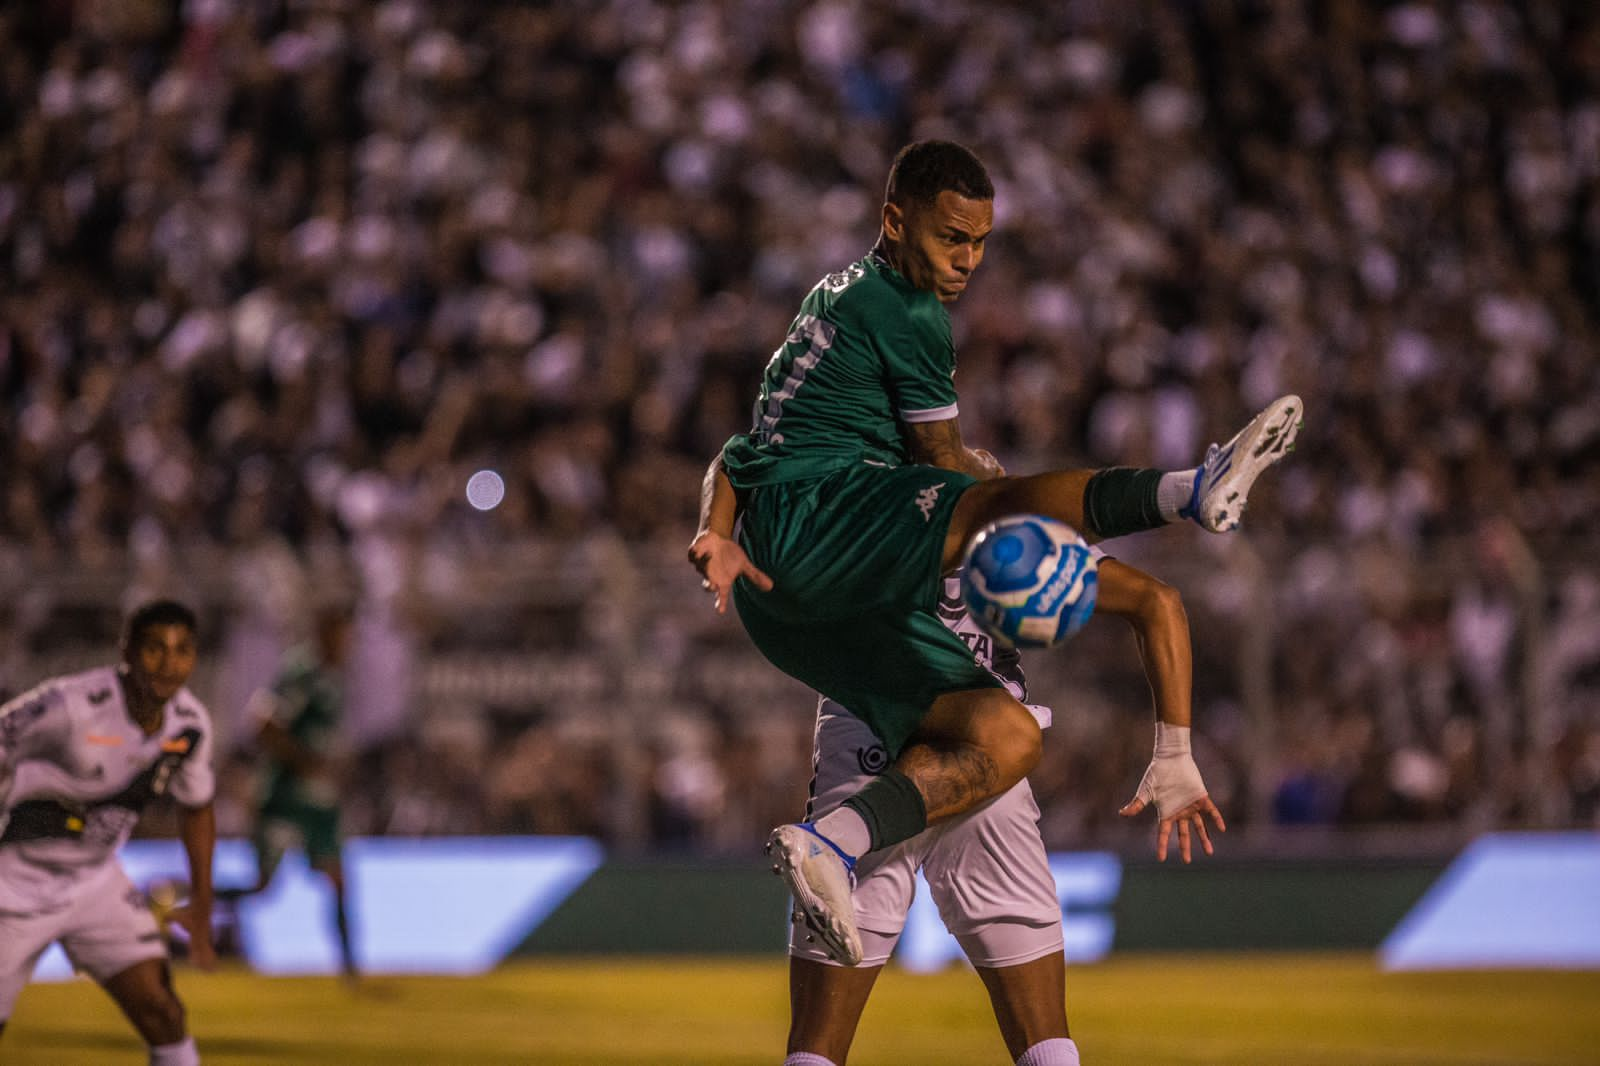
1121 500
971 746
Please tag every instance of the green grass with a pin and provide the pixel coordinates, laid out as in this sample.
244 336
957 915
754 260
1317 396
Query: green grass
1150 1010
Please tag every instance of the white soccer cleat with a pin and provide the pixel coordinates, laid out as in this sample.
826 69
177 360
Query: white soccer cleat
1223 485
818 875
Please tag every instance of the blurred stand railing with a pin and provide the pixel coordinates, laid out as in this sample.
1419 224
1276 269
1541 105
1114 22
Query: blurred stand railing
544 686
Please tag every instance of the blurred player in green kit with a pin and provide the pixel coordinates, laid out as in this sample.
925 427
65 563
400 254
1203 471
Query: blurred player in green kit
299 734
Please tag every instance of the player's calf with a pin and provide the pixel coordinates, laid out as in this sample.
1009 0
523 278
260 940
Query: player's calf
971 747
145 994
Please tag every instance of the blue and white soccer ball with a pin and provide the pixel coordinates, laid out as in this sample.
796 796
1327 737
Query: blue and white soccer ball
1030 581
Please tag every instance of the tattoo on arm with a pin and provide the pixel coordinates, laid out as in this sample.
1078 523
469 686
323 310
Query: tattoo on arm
936 443
940 444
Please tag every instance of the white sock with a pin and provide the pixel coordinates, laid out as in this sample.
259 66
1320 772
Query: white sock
847 830
1060 1051
1173 493
806 1058
183 1053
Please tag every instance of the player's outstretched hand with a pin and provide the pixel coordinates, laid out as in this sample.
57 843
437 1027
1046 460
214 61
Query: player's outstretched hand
721 562
1190 821
1172 785
195 922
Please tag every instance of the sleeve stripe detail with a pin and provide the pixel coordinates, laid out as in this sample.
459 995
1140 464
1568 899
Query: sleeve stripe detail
932 414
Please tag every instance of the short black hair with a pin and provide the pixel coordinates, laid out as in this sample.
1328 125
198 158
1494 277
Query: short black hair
923 170
157 613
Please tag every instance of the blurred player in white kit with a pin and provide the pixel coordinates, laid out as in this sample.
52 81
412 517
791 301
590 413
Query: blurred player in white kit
81 757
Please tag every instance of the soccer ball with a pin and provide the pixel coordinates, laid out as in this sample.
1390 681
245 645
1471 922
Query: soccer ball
1030 581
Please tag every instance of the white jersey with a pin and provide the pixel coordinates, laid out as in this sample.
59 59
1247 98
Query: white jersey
1005 663
75 774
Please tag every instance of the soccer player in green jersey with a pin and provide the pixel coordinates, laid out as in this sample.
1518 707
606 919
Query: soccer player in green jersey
857 493
300 718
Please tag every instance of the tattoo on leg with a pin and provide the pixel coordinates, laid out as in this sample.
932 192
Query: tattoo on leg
951 779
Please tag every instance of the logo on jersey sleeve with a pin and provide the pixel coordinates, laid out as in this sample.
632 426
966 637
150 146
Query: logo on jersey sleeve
928 499
841 280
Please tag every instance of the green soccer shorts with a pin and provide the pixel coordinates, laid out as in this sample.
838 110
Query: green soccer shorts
855 561
286 824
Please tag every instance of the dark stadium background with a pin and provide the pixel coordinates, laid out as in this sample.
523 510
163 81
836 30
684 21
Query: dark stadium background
276 278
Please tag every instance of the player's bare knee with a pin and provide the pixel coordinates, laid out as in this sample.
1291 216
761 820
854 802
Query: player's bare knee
1015 743
1024 747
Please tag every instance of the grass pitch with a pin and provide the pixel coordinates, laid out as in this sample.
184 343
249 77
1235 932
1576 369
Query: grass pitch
1149 1010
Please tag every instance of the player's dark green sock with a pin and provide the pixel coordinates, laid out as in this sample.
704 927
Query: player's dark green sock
1122 500
892 808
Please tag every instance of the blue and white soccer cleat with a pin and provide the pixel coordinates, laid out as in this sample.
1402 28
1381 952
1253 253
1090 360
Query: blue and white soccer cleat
821 878
1222 486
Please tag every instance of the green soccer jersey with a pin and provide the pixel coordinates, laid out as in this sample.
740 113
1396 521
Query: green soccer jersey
308 702
867 352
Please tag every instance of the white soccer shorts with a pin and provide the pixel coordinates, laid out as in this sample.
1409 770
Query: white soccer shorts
987 869
105 928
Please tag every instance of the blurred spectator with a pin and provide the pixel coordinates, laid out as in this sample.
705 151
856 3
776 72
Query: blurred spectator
276 276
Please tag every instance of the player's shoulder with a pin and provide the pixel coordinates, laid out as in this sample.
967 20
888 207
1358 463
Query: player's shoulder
886 303
83 690
65 700
866 290
21 712
186 711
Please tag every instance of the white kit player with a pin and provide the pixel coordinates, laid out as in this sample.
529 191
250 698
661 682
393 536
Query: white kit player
987 870
80 758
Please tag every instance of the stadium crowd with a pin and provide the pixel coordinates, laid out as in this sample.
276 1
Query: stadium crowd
276 276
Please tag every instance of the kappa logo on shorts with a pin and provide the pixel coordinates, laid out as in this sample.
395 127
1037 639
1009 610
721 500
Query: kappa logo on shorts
928 499
873 760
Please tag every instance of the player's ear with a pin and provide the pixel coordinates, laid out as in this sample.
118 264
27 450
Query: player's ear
894 221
